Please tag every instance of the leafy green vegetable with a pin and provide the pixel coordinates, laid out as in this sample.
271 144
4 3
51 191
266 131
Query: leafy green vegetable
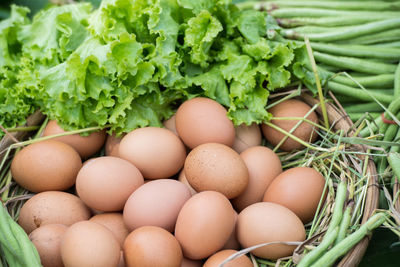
129 64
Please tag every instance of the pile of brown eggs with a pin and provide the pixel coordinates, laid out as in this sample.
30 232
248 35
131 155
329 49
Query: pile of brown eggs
189 194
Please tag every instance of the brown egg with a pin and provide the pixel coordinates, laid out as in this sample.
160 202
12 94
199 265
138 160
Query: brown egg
263 165
182 179
266 222
219 257
47 240
156 152
85 145
190 263
45 166
113 222
290 108
105 183
204 224
170 124
298 189
52 207
156 203
151 246
202 120
112 145
216 167
90 244
232 242
246 136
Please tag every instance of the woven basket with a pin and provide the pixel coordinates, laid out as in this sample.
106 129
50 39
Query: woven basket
337 118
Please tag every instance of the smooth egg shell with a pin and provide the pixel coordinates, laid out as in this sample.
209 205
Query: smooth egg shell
263 166
90 244
298 189
105 183
216 259
151 246
202 120
204 224
156 152
156 203
112 145
46 166
266 222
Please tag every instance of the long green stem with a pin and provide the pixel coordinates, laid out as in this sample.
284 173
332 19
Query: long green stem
314 254
319 13
331 256
338 209
329 21
397 82
381 81
335 5
375 38
356 64
356 93
344 224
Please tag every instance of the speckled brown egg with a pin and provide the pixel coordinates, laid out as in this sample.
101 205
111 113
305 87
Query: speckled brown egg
85 145
265 222
299 189
204 224
263 165
52 207
47 240
114 222
182 179
151 246
191 263
170 124
45 166
246 136
105 183
156 152
156 203
290 108
216 259
202 120
87 244
216 167
112 145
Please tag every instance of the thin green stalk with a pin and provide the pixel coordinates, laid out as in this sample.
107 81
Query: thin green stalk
335 5
344 224
381 81
320 13
353 50
363 107
346 33
22 129
388 44
338 209
375 38
328 21
356 64
359 94
318 83
331 256
295 138
314 254
357 116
